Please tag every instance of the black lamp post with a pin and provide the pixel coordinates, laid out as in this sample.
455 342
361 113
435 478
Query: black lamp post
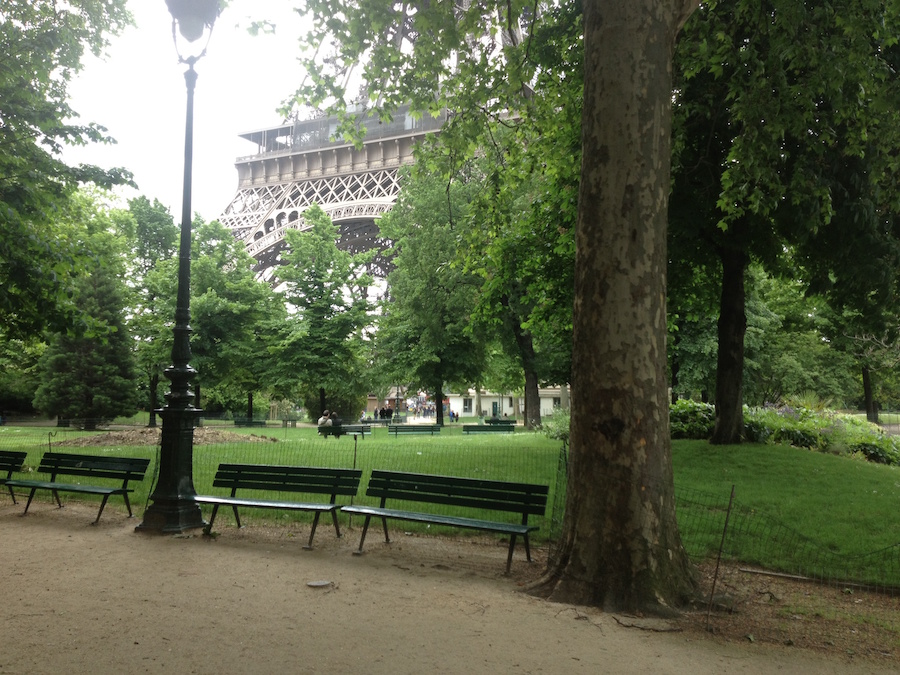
173 508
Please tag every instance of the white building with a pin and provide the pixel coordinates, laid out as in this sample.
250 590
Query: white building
466 403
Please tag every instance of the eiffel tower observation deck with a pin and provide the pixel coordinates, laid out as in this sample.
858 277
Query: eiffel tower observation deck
299 163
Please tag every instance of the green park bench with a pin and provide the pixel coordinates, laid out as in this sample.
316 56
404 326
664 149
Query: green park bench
85 467
345 430
294 479
472 493
488 428
11 461
398 429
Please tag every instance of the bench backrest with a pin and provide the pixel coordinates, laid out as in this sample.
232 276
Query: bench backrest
11 460
311 479
93 466
524 498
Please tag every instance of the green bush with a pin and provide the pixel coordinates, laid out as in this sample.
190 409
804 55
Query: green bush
821 430
691 419
556 425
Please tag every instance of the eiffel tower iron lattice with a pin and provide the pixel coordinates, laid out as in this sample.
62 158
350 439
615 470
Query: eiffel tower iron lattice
299 163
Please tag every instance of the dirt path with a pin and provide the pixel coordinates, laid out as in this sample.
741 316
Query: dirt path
104 599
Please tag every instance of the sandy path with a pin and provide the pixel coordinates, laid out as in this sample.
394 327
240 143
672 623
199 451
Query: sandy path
104 599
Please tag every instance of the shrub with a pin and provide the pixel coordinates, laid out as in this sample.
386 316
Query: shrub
556 425
691 419
823 431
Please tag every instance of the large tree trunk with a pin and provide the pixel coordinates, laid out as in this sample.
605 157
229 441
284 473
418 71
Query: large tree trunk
249 406
730 361
620 546
871 408
525 343
525 347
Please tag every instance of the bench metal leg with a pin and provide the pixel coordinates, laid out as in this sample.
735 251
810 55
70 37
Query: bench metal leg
12 494
512 547
128 504
312 532
56 495
362 539
237 518
30 497
212 518
337 527
102 506
527 549
387 539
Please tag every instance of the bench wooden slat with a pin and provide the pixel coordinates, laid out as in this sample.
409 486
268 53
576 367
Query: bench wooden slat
440 519
295 479
124 469
476 493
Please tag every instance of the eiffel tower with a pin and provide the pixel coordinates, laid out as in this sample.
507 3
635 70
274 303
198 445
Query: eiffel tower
299 163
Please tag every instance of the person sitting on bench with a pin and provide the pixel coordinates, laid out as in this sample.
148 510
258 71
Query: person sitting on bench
325 419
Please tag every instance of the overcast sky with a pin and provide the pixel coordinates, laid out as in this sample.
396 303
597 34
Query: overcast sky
138 93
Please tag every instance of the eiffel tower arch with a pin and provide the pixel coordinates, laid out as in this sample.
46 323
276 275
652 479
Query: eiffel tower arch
298 164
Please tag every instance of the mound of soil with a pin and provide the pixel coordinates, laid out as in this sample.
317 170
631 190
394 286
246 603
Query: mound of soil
150 436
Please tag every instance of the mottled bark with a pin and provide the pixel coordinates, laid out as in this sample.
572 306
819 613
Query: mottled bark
730 361
620 546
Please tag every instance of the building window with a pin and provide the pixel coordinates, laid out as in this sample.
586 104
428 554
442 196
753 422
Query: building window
557 402
510 402
467 405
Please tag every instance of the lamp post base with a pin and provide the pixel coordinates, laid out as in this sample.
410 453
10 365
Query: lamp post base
173 508
171 517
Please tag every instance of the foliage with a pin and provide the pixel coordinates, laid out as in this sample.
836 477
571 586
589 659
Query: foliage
806 423
425 335
18 373
556 424
91 378
43 43
781 158
152 238
821 430
319 345
691 419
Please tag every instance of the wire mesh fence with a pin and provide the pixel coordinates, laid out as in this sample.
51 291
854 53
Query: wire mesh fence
752 537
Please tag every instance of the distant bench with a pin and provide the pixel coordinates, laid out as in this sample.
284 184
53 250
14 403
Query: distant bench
244 422
500 422
345 429
488 429
124 469
414 429
11 461
396 419
297 479
521 498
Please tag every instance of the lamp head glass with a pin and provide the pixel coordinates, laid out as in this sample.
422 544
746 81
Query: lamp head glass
193 17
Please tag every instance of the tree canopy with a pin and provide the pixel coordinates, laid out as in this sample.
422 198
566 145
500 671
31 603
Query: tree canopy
43 43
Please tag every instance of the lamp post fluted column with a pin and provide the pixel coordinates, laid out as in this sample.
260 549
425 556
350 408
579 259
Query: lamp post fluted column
173 508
